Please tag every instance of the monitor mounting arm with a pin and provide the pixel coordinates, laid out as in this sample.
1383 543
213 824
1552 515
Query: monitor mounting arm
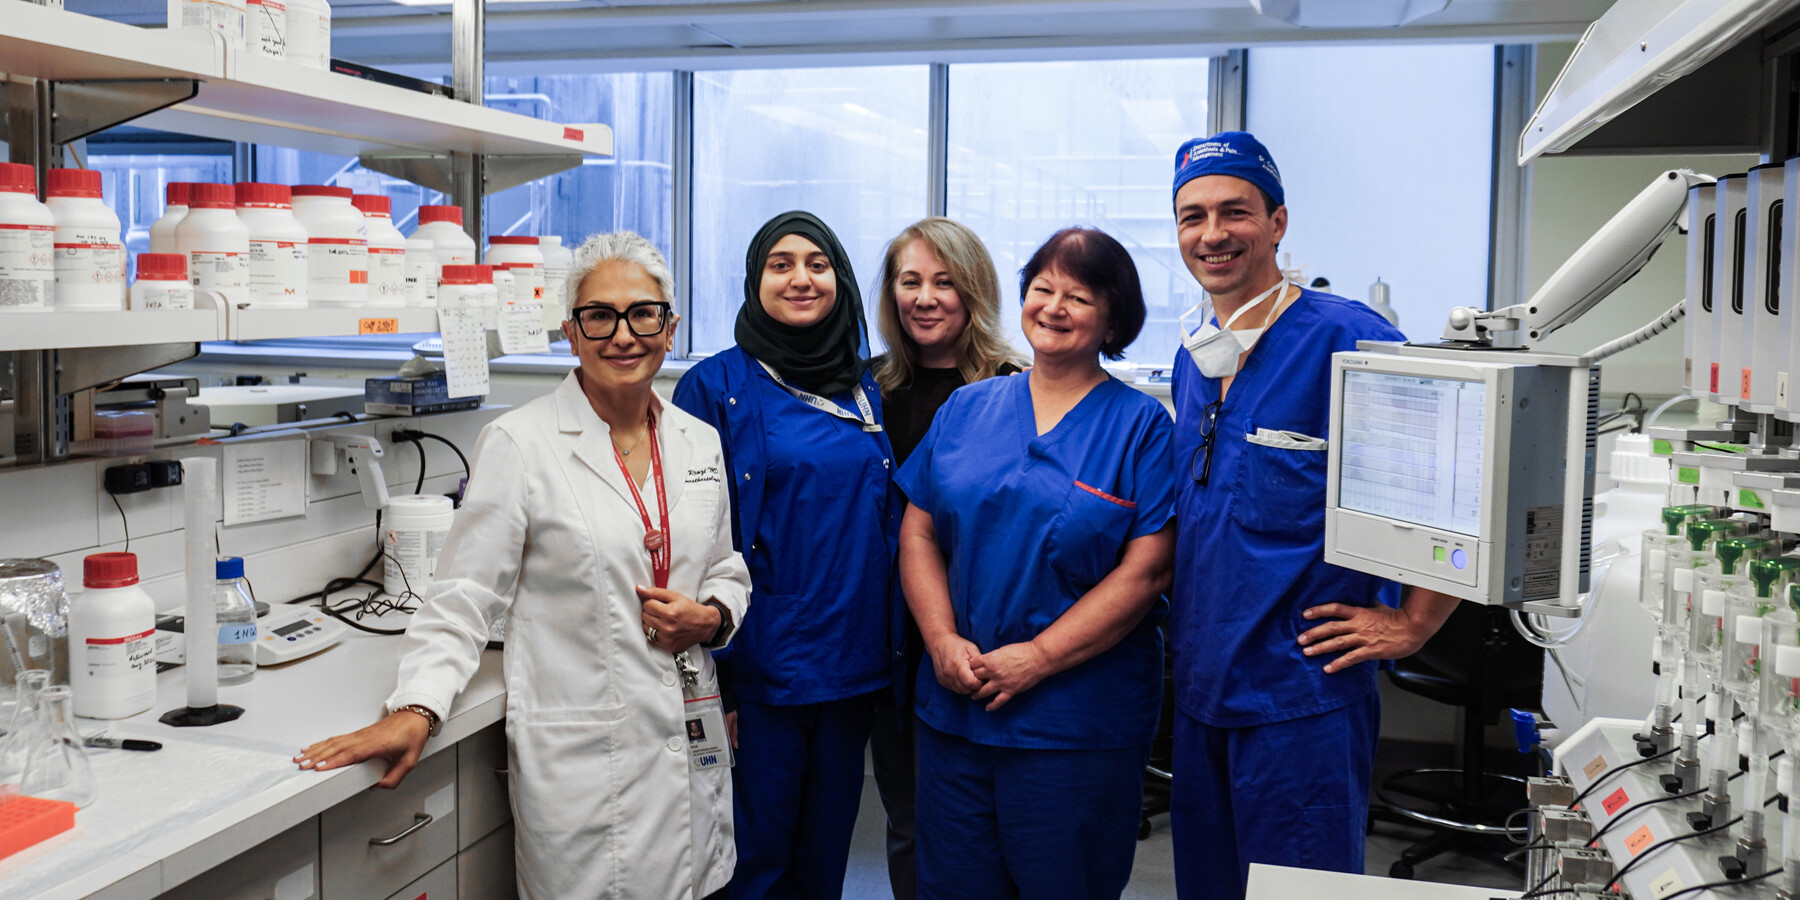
1615 253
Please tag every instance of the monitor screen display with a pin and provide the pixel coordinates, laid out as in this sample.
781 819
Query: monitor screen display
1412 449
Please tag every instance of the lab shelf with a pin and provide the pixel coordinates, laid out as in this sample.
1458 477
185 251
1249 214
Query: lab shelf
260 324
248 98
35 331
41 42
275 102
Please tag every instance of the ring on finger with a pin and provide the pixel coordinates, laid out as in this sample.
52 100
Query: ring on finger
650 634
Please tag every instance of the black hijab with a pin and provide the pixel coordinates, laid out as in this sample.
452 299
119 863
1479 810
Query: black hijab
825 357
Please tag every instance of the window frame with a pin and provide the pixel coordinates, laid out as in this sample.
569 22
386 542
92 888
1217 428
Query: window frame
1230 76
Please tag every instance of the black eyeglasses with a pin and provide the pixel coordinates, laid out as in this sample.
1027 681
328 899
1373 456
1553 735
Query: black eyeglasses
599 323
1201 466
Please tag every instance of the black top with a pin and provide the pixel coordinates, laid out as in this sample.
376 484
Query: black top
909 409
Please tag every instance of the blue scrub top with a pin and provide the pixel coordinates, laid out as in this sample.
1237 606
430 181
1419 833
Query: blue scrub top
1028 525
1250 545
817 520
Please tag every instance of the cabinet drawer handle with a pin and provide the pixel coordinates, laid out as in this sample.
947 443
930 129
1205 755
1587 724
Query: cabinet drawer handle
420 820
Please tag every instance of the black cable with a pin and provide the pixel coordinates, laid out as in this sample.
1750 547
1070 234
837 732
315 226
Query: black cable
1716 448
419 486
123 522
1537 890
1645 853
467 472
1614 771
1716 884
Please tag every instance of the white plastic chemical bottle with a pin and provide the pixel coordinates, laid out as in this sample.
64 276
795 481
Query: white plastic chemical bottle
225 17
112 640
278 248
216 243
309 33
162 233
90 258
465 287
557 262
162 282
421 272
236 613
387 251
519 255
265 28
336 246
27 243
413 536
442 225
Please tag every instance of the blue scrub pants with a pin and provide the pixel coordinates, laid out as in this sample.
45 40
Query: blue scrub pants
795 791
1001 822
1293 793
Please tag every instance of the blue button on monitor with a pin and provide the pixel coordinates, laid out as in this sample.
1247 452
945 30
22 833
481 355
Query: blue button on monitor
1459 559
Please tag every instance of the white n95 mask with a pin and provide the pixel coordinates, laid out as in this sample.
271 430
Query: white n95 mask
1216 350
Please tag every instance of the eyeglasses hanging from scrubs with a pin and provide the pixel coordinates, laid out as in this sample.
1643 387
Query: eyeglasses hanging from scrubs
1200 467
1216 350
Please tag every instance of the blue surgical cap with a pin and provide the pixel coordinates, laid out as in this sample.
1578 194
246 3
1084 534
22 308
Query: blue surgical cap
1235 153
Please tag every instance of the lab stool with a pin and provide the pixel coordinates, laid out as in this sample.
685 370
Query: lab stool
1479 663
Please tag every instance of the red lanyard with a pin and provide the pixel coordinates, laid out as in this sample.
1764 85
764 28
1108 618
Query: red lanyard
657 542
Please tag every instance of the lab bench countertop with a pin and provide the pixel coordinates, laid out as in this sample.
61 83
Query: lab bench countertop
286 708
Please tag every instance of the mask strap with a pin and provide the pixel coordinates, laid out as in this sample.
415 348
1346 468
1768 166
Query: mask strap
1264 296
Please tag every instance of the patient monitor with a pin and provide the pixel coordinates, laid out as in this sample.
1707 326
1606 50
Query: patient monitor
1468 472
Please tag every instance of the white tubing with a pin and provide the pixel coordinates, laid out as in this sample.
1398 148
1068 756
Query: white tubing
200 485
1657 413
1656 326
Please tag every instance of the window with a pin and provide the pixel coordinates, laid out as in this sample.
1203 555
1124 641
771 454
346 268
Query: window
1035 147
1386 155
847 145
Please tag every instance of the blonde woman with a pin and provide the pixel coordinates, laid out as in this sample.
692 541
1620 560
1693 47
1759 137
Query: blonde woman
940 316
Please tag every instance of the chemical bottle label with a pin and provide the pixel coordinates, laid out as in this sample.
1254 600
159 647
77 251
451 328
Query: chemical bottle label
277 269
119 657
219 17
27 266
217 270
528 282
153 295
337 262
88 258
237 633
265 28
387 275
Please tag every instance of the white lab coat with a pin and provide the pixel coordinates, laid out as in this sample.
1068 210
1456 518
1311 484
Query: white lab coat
604 800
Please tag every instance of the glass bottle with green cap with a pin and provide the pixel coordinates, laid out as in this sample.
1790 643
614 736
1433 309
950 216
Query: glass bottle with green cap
1778 707
1658 542
1708 620
1765 590
1698 552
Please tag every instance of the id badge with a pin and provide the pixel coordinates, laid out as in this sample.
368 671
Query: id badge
709 745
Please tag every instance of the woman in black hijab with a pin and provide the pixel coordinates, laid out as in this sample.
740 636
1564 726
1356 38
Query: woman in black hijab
816 519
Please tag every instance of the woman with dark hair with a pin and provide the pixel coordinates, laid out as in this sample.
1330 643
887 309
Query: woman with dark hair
816 518
1036 545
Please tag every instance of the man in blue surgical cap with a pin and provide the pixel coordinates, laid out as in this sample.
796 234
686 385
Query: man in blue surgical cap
1275 651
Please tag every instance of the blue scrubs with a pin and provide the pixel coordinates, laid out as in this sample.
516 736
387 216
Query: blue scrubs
1248 561
1028 525
817 521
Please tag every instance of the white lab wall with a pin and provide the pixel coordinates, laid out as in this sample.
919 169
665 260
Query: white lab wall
59 512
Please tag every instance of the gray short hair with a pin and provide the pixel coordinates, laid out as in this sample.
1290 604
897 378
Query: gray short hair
619 246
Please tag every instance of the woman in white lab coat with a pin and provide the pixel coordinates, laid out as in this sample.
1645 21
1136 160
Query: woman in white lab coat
614 790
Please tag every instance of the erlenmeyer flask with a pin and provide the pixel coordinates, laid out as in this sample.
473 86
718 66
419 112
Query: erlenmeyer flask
57 768
26 729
